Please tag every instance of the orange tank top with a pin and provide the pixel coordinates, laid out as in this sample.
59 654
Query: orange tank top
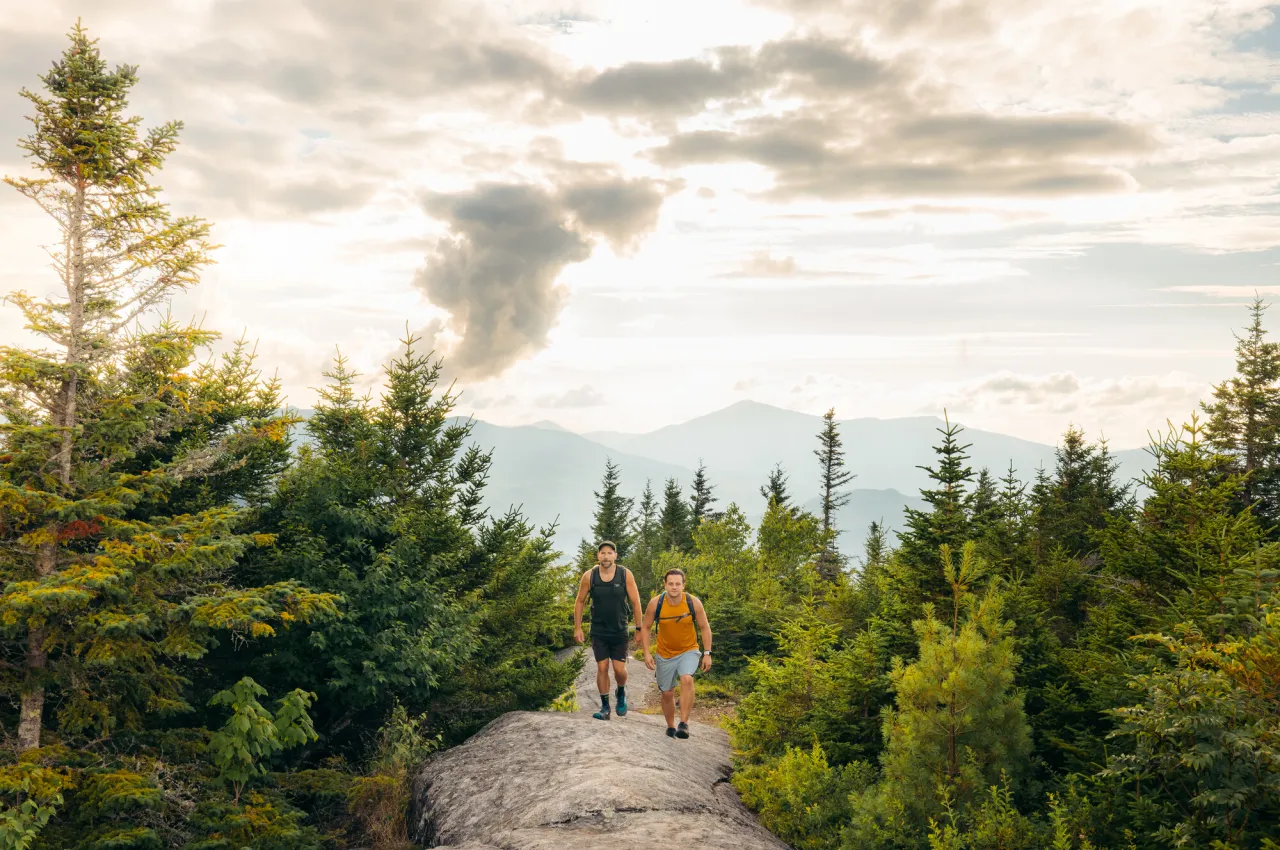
676 633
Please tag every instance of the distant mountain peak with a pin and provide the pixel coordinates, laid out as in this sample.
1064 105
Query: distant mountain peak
548 425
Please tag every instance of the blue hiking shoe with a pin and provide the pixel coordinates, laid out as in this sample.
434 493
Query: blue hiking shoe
622 703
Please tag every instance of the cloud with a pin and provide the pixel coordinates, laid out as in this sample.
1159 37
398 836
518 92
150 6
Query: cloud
488 403
763 264
583 396
496 269
888 155
620 210
1067 393
665 89
322 53
1225 290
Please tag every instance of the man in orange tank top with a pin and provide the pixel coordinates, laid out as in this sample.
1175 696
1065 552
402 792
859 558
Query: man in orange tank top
675 613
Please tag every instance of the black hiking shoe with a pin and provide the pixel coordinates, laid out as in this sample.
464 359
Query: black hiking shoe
671 732
683 730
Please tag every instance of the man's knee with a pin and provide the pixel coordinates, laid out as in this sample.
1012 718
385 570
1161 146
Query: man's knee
602 666
686 679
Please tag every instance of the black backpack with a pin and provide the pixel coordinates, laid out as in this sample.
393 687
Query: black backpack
622 573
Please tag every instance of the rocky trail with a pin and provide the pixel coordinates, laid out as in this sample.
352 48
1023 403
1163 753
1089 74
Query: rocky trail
563 781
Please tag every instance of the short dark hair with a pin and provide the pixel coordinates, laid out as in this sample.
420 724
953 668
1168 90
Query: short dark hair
675 572
604 543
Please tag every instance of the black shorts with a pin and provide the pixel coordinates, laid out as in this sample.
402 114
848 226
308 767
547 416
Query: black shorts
614 648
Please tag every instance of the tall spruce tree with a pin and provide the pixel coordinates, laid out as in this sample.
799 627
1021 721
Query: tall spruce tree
1080 497
946 522
833 477
1244 417
612 520
875 550
701 499
104 601
674 529
648 541
775 490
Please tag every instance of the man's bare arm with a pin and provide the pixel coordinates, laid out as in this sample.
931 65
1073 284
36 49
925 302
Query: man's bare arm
645 634
633 593
703 625
584 587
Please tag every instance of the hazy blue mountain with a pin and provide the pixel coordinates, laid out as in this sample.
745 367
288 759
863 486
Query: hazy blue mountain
885 453
551 474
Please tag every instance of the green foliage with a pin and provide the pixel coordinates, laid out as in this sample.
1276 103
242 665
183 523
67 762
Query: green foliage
1206 736
446 610
815 690
800 797
675 526
776 488
946 522
613 519
380 799
32 796
242 748
701 498
1244 419
958 721
833 476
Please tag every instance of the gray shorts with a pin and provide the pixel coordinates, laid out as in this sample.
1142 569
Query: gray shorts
671 669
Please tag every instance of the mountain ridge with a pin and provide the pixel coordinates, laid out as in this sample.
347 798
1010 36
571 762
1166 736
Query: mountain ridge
550 474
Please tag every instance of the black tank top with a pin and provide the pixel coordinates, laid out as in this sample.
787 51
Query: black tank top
609 604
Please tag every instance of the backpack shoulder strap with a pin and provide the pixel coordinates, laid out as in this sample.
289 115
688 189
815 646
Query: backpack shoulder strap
657 614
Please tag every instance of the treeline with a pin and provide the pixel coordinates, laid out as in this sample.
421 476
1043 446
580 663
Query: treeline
207 641
649 534
1054 663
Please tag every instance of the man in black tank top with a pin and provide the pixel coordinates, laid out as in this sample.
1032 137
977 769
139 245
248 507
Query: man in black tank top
610 587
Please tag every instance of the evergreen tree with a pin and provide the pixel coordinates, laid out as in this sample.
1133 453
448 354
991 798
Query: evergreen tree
776 489
958 724
876 548
612 519
1006 535
984 507
674 529
1081 496
833 475
1244 417
647 542
701 500
446 609
946 522
104 600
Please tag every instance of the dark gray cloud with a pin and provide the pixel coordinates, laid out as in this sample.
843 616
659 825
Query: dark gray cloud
495 272
683 86
620 210
886 155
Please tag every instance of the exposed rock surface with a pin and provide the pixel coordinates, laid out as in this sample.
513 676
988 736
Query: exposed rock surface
563 781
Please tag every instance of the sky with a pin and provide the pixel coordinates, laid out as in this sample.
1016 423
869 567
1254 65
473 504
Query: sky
621 214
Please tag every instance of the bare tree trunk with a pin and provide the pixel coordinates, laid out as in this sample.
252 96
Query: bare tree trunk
31 716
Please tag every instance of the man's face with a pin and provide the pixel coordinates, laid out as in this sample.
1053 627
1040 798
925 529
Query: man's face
606 555
675 584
